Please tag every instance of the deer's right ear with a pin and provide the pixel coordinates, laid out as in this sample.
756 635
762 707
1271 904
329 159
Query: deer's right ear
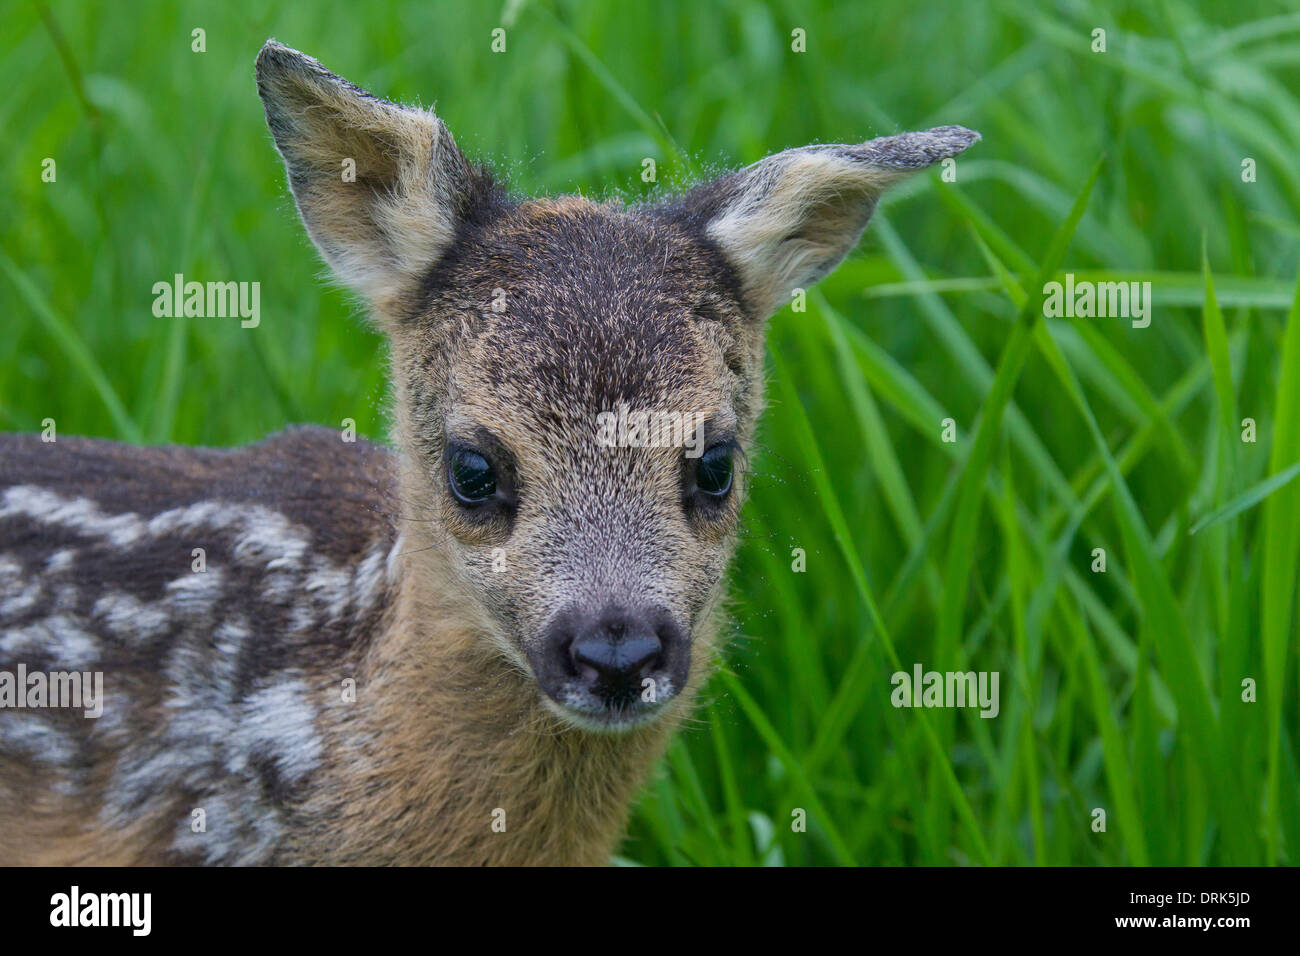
380 187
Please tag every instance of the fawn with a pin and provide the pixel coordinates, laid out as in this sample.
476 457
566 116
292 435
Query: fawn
470 649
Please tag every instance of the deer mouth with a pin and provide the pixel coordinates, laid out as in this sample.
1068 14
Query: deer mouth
605 716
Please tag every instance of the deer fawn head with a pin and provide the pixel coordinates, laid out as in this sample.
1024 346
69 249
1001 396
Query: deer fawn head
576 383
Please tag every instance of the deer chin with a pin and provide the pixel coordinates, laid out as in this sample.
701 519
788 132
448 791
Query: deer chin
580 710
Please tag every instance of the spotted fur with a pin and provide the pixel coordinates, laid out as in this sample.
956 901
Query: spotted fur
349 679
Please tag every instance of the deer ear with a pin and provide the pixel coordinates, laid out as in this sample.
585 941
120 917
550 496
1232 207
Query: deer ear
380 187
788 220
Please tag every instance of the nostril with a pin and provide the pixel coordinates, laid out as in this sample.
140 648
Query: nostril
613 659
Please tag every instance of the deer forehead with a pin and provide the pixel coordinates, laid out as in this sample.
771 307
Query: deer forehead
521 383
564 308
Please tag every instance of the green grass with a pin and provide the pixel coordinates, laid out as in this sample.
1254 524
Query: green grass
1120 690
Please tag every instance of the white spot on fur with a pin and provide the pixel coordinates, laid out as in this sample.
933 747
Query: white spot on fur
329 585
60 560
280 723
127 616
28 735
22 602
262 536
394 567
195 593
77 514
234 833
11 573
368 577
59 637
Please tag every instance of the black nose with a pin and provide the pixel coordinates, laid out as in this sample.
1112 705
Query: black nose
613 654
615 660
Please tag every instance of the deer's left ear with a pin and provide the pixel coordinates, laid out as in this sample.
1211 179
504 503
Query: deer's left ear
788 220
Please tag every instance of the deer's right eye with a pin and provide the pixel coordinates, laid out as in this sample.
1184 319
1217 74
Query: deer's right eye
472 479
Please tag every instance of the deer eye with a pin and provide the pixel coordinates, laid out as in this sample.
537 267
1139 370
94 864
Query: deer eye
471 476
714 471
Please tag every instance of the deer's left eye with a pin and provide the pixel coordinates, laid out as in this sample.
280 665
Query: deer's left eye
471 476
714 472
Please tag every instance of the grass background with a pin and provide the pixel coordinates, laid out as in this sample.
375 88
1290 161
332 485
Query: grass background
1120 690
